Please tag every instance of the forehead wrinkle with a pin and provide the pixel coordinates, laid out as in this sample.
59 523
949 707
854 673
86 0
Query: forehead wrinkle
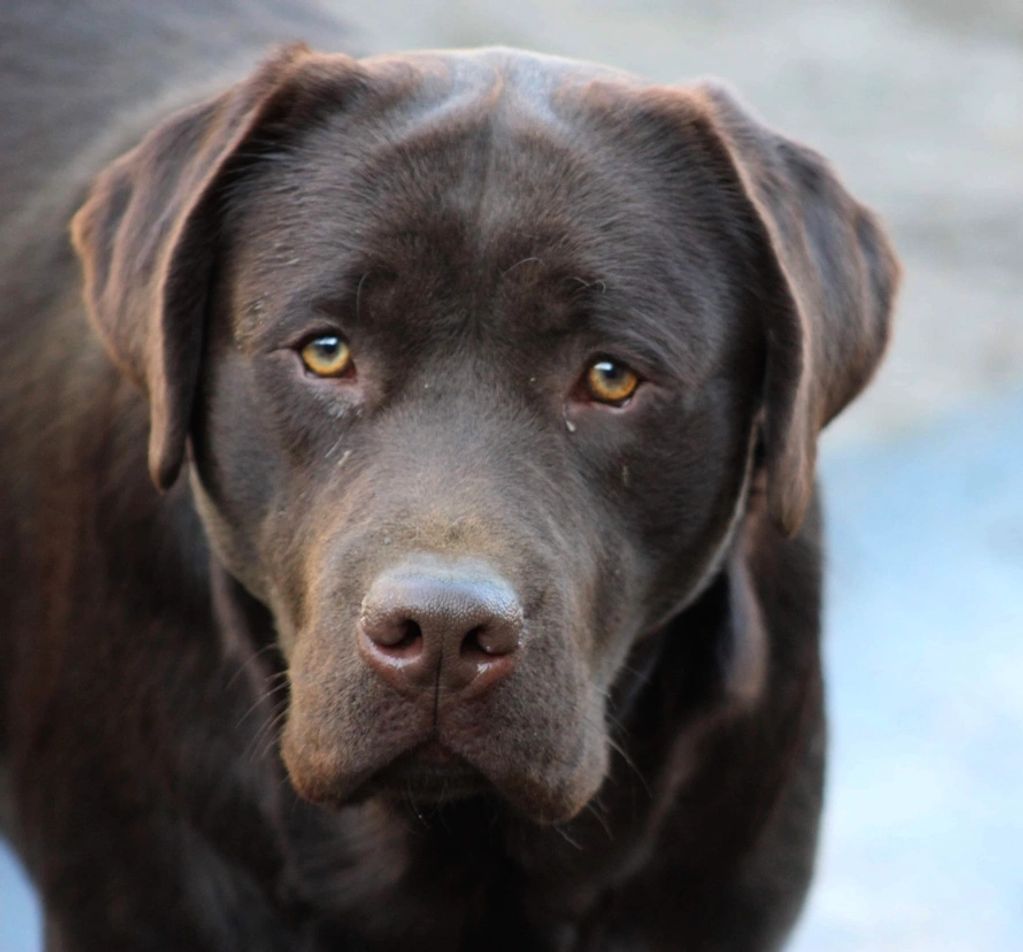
655 325
448 156
269 296
439 146
650 340
619 286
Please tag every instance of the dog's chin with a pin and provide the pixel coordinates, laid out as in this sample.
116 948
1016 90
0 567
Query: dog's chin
432 775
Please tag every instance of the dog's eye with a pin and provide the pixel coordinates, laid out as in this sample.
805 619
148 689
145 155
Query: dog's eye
610 381
327 356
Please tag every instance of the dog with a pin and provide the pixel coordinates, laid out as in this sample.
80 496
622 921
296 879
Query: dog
409 517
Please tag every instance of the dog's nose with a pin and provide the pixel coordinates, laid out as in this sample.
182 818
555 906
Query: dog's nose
431 627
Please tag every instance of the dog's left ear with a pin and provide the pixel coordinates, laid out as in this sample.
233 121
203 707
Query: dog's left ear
831 280
147 231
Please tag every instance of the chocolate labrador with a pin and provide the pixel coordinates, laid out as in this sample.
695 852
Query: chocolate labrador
417 545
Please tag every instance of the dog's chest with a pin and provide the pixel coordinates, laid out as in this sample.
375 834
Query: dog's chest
380 884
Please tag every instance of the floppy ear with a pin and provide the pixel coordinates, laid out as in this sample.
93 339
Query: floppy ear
831 276
147 232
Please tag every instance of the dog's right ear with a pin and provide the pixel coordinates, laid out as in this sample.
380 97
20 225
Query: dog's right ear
147 232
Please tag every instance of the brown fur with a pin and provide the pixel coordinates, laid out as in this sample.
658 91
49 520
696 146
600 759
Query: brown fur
478 225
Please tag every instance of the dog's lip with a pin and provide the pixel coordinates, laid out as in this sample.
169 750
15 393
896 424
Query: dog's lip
431 773
436 753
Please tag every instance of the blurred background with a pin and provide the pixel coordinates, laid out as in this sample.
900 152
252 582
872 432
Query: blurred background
919 103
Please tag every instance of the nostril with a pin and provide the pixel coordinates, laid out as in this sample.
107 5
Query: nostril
408 634
399 638
489 641
472 646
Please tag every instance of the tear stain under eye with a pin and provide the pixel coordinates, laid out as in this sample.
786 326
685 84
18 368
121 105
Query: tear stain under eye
569 425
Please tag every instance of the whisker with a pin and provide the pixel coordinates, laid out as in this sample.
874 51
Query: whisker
245 663
266 696
617 748
517 263
410 798
563 833
270 733
600 814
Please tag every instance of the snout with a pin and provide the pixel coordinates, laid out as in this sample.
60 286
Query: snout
453 680
440 631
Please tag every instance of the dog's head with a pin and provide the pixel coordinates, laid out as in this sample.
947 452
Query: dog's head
477 353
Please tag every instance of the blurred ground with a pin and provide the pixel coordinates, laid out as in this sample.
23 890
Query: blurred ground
920 106
922 832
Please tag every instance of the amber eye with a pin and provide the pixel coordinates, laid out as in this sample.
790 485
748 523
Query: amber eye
327 356
610 381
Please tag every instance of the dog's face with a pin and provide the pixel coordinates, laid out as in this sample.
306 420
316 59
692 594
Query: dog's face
487 343
468 347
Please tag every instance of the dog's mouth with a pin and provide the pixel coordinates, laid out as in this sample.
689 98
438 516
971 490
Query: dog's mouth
534 743
430 774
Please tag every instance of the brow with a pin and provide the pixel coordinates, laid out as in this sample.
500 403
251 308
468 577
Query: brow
264 319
